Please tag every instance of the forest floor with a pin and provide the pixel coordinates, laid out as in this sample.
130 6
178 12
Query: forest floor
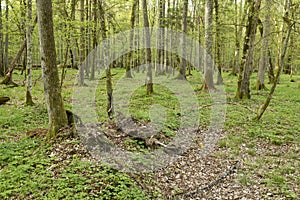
250 160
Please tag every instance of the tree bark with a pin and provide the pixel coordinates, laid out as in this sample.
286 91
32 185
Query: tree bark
284 44
149 83
55 106
243 89
6 37
218 44
238 35
109 89
264 61
159 68
2 68
82 45
271 75
8 77
182 68
29 100
208 82
95 43
129 60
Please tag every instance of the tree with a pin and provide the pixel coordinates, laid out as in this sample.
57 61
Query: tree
132 24
109 89
6 40
182 69
82 44
149 83
8 77
2 68
284 45
264 60
159 68
28 100
238 29
55 106
243 90
94 33
208 82
218 44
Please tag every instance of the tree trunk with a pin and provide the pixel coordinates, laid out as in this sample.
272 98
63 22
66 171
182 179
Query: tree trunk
8 77
238 35
208 82
218 45
284 44
130 56
109 89
82 45
56 112
149 83
23 32
264 61
271 75
243 90
94 33
182 68
159 68
6 37
2 68
29 100
73 53
138 57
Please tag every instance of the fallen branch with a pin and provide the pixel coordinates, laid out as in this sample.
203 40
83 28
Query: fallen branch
228 172
8 77
104 77
229 103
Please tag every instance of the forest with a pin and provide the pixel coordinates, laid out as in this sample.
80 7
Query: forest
150 99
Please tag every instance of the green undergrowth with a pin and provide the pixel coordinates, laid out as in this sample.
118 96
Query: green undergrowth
27 171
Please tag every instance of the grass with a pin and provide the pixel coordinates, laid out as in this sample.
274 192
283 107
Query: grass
28 172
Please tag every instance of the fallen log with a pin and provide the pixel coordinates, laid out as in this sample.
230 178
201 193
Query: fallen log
3 100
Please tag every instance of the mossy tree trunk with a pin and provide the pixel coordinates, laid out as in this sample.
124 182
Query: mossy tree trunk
149 83
264 61
55 106
29 100
238 28
2 68
95 41
271 75
159 64
8 77
218 44
182 68
82 45
109 89
208 82
284 46
243 89
129 60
